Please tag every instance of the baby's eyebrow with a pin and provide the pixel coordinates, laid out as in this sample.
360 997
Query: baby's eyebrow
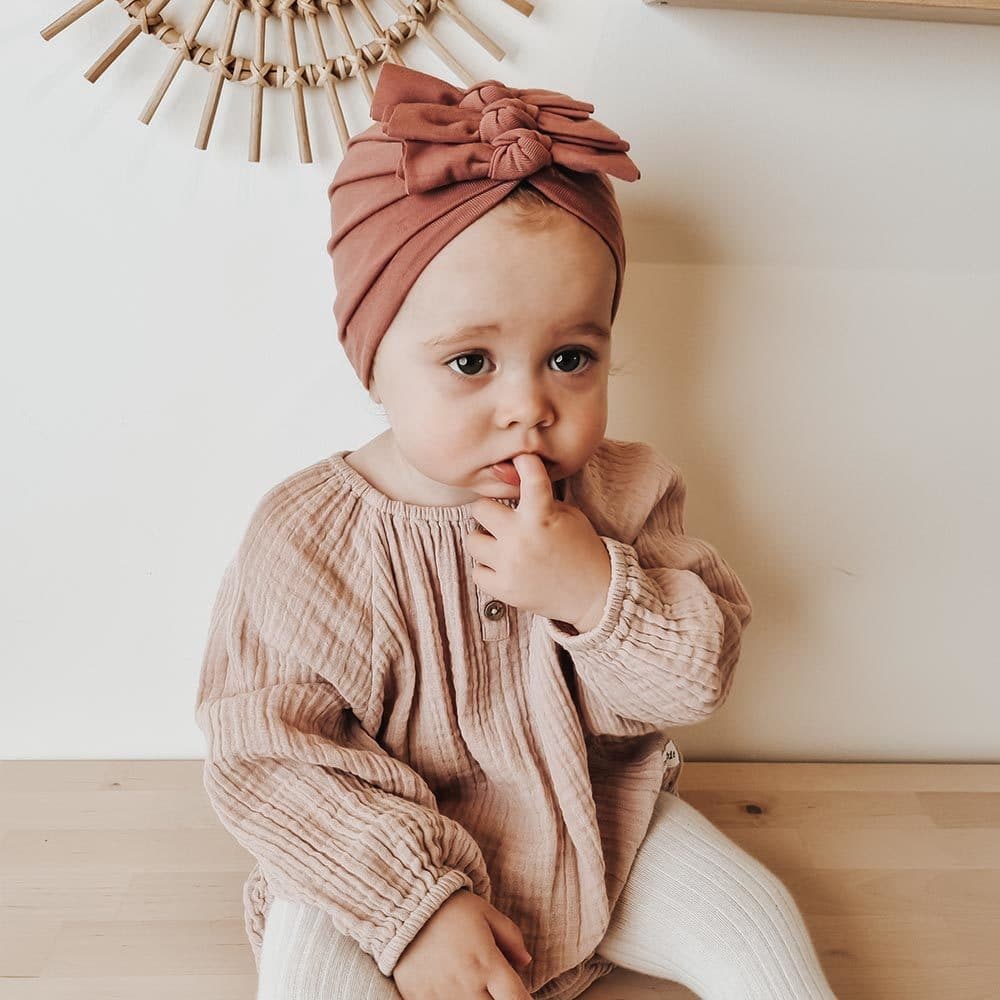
595 329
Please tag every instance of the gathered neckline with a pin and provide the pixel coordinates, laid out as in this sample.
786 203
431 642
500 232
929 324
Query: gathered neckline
373 496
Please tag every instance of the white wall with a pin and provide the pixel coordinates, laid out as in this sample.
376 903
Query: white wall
809 329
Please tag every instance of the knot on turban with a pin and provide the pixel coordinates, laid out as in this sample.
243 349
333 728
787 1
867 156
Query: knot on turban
491 131
439 158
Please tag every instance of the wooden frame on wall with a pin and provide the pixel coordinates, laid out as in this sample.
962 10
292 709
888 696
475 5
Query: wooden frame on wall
966 11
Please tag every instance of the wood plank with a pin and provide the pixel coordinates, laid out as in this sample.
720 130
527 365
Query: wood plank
117 880
962 11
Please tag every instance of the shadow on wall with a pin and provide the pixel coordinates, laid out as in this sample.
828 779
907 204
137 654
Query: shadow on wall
666 346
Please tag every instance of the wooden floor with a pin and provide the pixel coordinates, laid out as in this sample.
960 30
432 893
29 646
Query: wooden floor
117 881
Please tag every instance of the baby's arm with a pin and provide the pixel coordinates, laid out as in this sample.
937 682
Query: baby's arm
665 649
332 818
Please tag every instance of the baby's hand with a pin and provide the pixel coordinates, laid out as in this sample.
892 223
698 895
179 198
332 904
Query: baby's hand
466 949
543 556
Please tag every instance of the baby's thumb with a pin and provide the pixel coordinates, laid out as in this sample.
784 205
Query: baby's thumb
508 938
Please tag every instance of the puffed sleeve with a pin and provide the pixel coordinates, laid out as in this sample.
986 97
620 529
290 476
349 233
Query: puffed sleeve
665 648
286 685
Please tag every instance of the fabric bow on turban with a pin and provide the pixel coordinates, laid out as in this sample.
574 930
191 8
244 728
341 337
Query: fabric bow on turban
463 151
490 130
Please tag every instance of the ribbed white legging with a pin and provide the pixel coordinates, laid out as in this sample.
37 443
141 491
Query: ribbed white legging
696 909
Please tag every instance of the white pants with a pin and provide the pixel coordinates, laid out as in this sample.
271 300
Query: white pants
696 909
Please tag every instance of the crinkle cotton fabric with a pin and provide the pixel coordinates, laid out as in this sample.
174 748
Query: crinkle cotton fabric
380 734
438 159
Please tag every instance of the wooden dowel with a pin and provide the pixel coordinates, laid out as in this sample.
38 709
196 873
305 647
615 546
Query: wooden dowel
121 43
257 95
298 101
332 97
424 33
53 29
362 8
218 78
521 6
472 30
345 33
175 64
146 115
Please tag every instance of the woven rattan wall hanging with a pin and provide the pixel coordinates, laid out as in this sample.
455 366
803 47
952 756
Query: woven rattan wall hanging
291 18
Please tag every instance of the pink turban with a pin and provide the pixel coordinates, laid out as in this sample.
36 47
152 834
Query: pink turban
439 159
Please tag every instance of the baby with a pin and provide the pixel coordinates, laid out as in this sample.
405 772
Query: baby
443 669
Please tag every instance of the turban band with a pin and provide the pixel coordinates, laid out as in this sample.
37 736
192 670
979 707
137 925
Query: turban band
439 158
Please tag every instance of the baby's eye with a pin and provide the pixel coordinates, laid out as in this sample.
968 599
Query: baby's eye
471 364
572 353
466 369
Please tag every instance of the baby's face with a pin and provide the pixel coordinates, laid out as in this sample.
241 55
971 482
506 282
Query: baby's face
536 381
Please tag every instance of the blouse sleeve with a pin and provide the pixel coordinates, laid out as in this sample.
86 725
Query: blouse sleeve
665 648
332 818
